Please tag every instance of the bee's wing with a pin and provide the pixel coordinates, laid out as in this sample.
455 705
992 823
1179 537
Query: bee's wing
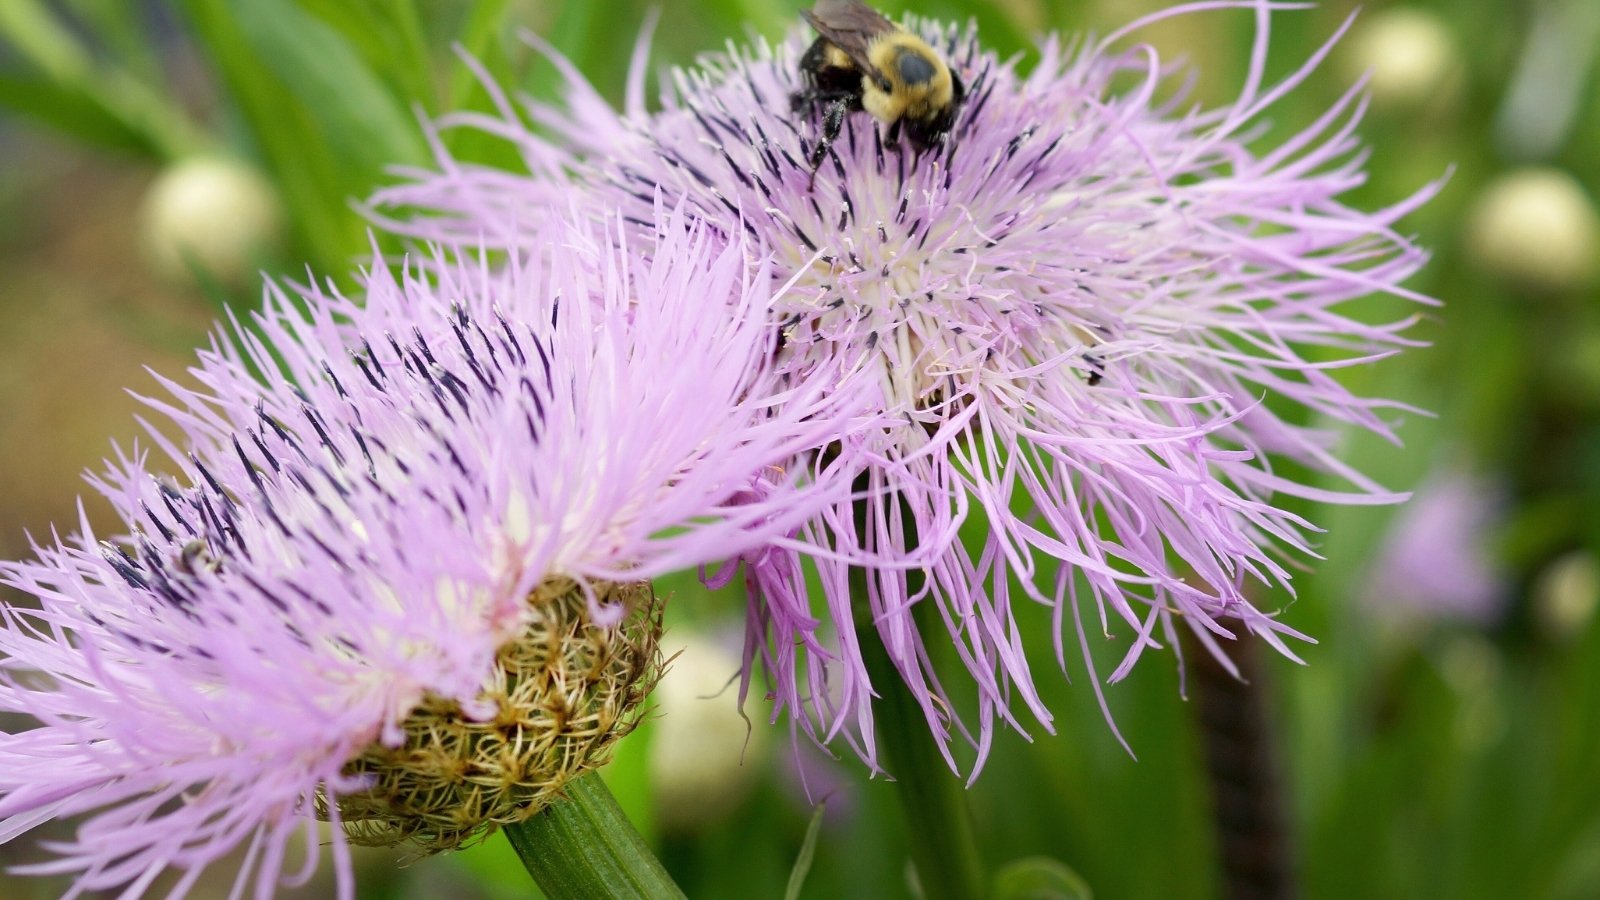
849 25
849 15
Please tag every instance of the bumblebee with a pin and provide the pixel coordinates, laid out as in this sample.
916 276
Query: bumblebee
862 61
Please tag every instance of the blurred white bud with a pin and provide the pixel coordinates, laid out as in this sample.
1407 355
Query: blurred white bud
1536 226
218 214
1566 595
703 754
1409 53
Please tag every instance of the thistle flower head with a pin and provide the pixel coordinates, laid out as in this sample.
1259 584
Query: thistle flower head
1075 310
401 581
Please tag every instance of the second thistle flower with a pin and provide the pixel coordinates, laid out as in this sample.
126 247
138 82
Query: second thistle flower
1075 309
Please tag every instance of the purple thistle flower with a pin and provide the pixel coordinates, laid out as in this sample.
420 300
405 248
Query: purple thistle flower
363 532
1075 309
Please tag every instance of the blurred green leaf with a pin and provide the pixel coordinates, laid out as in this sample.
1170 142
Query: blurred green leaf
41 38
308 178
808 852
359 118
77 84
326 125
763 16
390 38
1538 529
413 40
484 36
485 22
70 112
120 26
1039 878
578 35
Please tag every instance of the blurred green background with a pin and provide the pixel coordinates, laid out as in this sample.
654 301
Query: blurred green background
1444 739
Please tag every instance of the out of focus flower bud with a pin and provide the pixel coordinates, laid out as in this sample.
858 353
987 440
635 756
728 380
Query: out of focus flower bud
1435 564
1537 227
1410 55
217 214
1566 594
703 753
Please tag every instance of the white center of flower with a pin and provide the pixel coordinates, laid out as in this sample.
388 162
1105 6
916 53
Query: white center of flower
909 290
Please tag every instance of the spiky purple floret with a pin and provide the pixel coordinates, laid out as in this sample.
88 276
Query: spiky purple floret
1076 308
367 525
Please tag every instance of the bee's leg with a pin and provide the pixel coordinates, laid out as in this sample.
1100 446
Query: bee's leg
832 121
894 132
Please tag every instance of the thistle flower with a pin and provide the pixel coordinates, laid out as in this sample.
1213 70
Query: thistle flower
1076 311
403 583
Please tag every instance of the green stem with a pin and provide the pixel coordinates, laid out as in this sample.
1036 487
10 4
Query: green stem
583 846
938 821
